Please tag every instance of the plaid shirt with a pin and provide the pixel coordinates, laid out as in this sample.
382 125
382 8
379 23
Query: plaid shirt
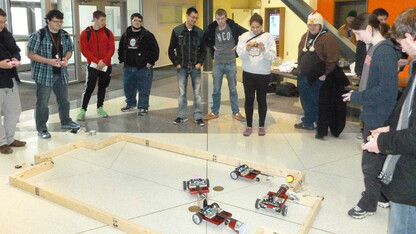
42 73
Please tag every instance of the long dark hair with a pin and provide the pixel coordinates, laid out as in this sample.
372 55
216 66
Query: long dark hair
365 19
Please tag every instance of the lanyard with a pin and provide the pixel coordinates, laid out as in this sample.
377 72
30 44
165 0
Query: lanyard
56 44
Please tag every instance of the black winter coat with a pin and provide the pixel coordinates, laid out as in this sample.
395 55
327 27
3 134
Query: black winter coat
8 50
402 189
332 110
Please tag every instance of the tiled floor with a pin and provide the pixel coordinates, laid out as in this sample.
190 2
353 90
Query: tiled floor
145 185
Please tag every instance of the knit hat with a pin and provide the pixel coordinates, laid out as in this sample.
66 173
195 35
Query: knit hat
313 18
352 13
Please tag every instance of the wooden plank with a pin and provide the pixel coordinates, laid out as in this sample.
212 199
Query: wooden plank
42 157
34 170
109 141
81 207
307 224
298 181
264 230
219 158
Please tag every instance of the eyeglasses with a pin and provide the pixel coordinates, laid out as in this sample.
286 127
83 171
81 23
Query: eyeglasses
3 22
137 21
194 17
57 21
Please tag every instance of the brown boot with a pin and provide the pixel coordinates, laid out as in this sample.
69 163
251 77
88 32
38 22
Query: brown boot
17 143
5 149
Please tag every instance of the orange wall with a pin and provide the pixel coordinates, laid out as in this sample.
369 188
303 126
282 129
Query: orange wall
392 7
326 9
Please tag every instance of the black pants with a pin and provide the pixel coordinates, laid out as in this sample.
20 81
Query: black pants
255 84
371 164
103 82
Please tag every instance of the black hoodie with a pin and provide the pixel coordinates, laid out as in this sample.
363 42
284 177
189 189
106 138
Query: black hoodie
147 48
8 50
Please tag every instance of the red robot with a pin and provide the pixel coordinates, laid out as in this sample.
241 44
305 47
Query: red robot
196 186
247 172
214 214
275 201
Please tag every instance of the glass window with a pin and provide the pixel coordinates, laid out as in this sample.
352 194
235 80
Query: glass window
38 18
113 19
133 6
19 21
66 8
85 16
23 54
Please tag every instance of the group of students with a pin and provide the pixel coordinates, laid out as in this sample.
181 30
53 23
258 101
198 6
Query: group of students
226 40
389 149
50 48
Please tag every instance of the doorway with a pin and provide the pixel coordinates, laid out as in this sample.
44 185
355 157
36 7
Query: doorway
274 23
115 21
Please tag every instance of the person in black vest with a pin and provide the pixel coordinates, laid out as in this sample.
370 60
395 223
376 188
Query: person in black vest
138 50
9 94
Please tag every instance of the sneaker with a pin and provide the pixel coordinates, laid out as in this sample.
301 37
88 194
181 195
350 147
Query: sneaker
142 112
248 131
381 204
210 116
44 134
81 115
71 125
360 135
384 205
239 117
127 108
17 143
262 131
301 126
5 149
101 112
179 120
200 122
358 213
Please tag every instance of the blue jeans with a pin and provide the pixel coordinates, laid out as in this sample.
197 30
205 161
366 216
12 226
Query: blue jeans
402 219
42 110
195 74
137 80
218 71
309 98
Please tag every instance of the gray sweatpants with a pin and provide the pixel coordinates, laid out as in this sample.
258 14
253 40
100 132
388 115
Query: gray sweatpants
10 108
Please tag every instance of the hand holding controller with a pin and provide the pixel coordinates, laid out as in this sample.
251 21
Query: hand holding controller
14 63
64 63
369 142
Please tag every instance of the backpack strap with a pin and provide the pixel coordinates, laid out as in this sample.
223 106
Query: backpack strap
42 34
88 29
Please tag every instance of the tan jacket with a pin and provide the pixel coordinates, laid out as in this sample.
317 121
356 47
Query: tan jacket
344 32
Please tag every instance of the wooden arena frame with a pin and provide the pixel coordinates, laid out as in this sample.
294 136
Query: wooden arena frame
44 162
